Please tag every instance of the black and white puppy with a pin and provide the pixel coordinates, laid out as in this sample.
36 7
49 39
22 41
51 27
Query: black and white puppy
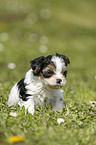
42 84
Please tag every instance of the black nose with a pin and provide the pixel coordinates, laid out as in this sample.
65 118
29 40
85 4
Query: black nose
58 81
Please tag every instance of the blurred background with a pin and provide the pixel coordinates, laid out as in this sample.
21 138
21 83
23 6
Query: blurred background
29 29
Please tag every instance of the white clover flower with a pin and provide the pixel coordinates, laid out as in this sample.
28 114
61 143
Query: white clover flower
13 114
60 120
11 65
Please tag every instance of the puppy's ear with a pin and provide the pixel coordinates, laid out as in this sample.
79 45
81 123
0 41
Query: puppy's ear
65 58
36 64
67 61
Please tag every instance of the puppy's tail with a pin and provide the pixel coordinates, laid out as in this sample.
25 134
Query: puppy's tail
13 96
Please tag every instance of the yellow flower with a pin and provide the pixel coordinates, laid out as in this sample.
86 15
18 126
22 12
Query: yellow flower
15 139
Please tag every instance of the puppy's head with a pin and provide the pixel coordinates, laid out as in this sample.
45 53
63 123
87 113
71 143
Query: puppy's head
52 69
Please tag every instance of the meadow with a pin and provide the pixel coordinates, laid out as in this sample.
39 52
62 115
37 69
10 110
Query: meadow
29 29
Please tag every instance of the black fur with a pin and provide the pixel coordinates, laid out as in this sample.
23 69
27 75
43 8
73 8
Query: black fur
36 65
22 89
39 63
65 73
46 62
65 58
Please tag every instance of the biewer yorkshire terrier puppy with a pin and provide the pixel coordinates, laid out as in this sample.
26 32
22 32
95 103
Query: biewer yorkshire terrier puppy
42 84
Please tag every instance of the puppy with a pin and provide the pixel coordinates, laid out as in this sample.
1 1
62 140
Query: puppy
42 84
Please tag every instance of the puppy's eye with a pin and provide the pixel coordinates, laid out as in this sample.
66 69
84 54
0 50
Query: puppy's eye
50 72
64 73
47 74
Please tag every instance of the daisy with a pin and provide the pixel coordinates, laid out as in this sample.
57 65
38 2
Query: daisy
13 114
59 120
93 102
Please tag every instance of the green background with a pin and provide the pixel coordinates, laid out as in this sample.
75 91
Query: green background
70 27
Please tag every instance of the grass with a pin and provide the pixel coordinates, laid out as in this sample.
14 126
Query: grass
71 30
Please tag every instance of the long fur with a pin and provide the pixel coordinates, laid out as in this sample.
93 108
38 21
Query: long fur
33 90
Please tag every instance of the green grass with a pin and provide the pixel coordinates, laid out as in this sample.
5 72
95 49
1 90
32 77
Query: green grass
71 30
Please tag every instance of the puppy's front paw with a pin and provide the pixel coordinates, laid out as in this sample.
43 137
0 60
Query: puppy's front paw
31 110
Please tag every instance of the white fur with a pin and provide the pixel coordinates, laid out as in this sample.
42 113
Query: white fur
39 91
58 62
14 96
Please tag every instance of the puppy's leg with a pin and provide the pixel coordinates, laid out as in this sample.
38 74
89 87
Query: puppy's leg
57 101
58 105
29 105
14 96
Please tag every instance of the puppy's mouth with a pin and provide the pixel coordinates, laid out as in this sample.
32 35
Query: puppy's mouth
57 86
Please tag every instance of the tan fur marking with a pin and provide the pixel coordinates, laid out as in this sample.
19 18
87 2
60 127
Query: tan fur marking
49 67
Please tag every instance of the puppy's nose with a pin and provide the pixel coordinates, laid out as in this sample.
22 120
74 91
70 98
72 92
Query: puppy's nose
58 81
